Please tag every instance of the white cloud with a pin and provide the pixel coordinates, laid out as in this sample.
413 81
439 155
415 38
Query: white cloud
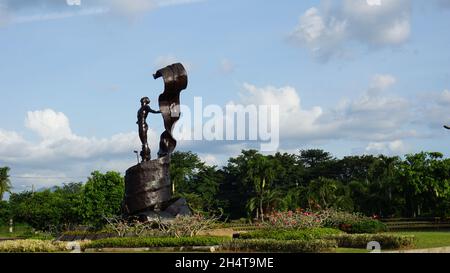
210 159
130 8
326 31
396 147
50 125
60 151
371 117
24 11
382 82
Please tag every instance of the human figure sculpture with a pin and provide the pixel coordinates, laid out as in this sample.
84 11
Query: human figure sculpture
148 188
143 127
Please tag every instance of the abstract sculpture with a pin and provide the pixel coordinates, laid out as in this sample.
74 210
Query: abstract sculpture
148 189
175 81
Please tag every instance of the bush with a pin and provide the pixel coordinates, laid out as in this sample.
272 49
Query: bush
387 241
31 246
368 226
271 245
307 234
352 222
294 220
134 242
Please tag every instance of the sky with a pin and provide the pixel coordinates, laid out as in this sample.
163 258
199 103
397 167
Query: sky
351 77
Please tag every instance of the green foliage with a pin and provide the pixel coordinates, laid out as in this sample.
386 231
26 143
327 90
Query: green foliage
253 185
135 242
5 213
196 182
353 222
5 183
31 246
63 208
328 193
48 210
387 241
305 234
271 245
102 197
368 226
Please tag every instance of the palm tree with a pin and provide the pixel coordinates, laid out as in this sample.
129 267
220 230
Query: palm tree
5 183
261 172
268 201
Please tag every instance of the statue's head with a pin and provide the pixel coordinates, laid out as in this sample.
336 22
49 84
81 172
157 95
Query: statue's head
145 100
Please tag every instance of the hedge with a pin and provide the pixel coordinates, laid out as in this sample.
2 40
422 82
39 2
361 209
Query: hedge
367 226
139 242
305 234
271 245
387 241
31 246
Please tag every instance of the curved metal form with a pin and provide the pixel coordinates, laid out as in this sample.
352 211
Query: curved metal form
175 80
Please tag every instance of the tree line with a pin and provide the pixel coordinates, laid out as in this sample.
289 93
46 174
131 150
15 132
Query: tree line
252 185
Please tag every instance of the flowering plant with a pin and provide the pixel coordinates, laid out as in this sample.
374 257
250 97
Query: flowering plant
299 219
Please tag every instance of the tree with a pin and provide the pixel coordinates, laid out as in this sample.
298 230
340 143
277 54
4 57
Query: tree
42 210
5 183
318 163
5 212
425 180
261 173
102 197
196 182
329 193
184 166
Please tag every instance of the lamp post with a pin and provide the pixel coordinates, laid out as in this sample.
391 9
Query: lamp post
137 156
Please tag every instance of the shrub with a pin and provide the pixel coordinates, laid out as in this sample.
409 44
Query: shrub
271 245
294 220
307 234
31 246
352 222
134 242
368 226
387 241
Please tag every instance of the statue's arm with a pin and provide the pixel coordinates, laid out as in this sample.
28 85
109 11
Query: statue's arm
150 110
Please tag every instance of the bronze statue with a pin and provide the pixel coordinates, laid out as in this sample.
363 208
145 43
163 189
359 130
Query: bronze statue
143 127
148 188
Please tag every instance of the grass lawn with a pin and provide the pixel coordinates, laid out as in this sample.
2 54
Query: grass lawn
429 239
23 232
424 239
351 250
18 231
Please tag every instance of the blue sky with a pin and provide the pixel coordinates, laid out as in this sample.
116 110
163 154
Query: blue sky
358 77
